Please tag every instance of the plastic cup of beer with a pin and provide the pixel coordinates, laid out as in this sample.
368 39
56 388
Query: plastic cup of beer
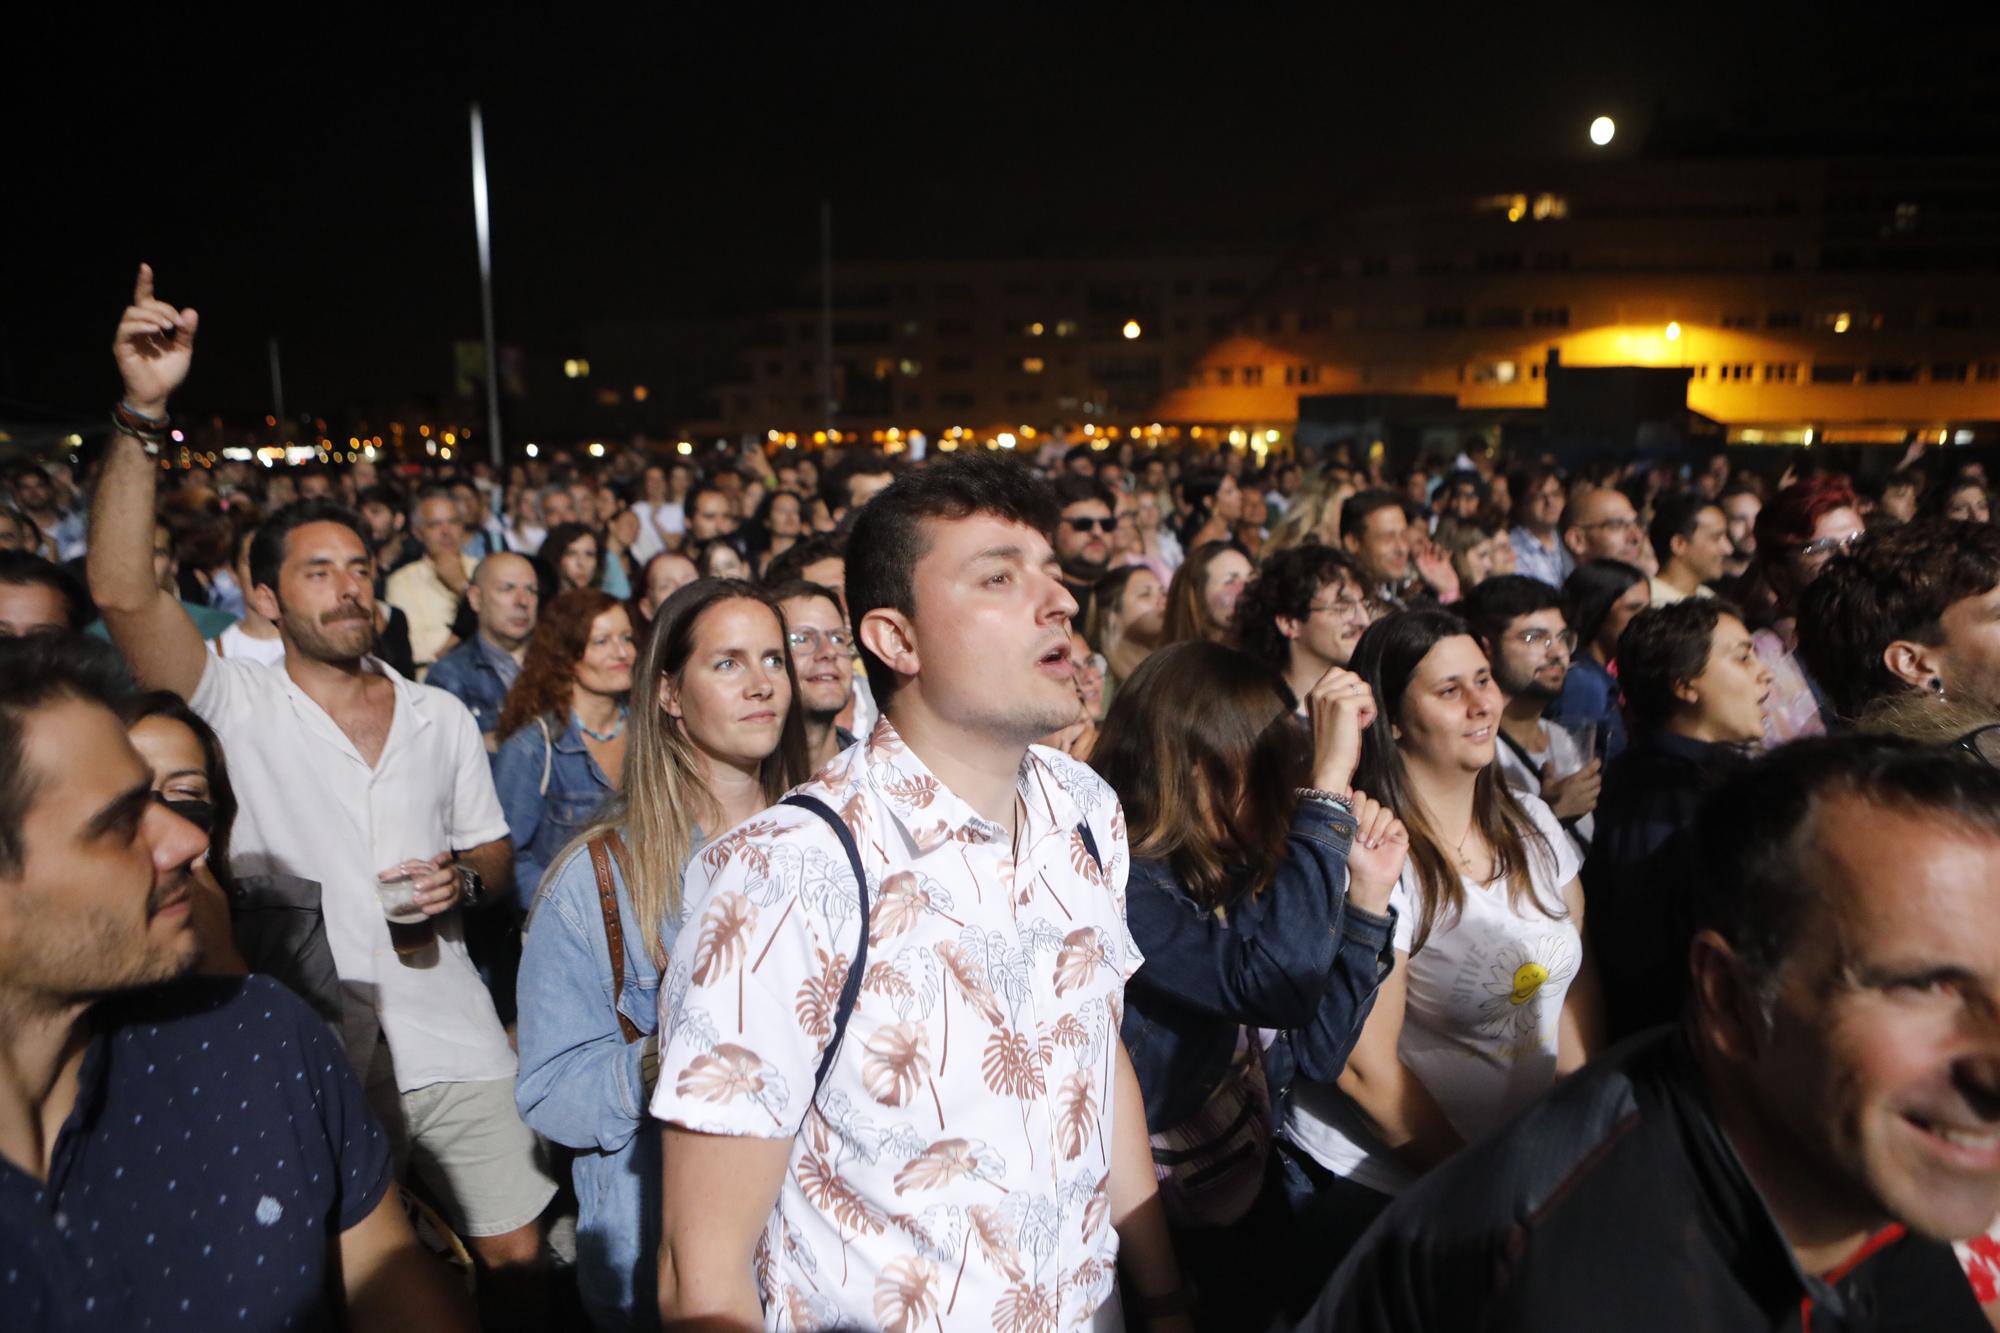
412 932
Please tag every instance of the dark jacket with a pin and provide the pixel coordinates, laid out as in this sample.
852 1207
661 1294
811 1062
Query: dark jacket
1642 866
1295 956
1617 1203
1590 694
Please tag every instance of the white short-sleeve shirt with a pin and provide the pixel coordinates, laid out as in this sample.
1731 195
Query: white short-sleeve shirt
310 806
1481 1022
955 1170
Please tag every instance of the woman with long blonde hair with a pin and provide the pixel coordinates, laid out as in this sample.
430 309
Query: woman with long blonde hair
714 739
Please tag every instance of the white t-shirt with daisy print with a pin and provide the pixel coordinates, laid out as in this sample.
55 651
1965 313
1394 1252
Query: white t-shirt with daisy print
1480 1025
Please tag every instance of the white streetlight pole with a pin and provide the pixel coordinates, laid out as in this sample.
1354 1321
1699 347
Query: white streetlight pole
483 227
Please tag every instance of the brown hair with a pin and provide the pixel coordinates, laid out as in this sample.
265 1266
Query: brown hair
662 794
1387 658
1187 604
548 670
1202 749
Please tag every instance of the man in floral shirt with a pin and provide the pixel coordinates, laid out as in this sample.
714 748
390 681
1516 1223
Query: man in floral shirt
977 1154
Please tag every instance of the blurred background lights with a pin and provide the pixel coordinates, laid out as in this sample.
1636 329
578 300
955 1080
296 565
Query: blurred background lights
1601 130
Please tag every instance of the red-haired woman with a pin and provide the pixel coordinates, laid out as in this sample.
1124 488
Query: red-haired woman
1805 525
563 728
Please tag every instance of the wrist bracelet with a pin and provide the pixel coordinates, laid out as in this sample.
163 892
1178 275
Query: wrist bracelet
1325 797
137 415
154 440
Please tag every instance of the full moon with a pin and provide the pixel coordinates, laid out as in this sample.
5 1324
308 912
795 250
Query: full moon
1601 130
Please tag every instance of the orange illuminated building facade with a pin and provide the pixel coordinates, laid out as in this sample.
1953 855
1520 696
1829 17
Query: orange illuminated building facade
1826 299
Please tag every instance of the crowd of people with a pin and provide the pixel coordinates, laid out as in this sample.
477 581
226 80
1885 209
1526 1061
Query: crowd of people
1480 894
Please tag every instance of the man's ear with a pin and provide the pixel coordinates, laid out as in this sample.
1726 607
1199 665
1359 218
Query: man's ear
472 597
1915 664
264 601
888 634
1728 1012
1573 539
1350 543
1677 546
1289 627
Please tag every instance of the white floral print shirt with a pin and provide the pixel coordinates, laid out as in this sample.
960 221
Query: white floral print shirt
953 1173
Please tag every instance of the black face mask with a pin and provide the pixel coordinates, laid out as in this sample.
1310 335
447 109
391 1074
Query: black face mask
201 814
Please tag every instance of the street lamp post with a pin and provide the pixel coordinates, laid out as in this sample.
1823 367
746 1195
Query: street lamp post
482 227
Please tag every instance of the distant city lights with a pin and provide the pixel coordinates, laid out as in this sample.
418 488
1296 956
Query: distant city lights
1673 330
1132 329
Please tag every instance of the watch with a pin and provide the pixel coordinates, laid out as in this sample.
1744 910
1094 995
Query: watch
471 887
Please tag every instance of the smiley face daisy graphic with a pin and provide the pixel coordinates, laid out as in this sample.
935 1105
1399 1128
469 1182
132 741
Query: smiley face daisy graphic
1516 979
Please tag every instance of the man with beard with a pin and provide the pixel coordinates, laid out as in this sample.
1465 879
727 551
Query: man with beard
1400 567
353 776
1519 622
427 591
822 648
1083 538
1690 539
132 1197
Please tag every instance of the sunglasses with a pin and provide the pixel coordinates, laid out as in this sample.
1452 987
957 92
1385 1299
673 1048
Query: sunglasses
1092 524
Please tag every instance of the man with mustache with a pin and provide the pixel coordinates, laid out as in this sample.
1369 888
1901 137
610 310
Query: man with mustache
351 775
175 1151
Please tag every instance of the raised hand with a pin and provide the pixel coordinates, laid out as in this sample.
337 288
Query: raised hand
1341 707
1375 860
154 347
1434 567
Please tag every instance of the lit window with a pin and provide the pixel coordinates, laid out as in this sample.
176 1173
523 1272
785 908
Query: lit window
1033 365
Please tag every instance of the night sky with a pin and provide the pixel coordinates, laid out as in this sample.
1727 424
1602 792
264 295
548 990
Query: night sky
315 186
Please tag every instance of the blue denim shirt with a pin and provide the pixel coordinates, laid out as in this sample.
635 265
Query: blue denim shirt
542 817
479 675
1295 956
580 1083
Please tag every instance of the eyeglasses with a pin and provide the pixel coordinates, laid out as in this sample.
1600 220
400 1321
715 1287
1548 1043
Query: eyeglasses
1620 524
1983 743
1088 524
1351 608
1829 545
1538 640
809 640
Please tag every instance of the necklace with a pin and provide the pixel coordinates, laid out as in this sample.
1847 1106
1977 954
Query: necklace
1464 861
605 738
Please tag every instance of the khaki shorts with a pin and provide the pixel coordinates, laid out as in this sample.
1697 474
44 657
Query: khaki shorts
466 1143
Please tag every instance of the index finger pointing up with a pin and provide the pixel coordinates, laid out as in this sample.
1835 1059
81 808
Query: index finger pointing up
142 290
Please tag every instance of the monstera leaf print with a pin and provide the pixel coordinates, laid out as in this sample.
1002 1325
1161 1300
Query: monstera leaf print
819 995
742 839
724 928
901 903
948 1160
996 1242
1025 1309
906 1294
1096 1212
912 793
970 978
829 1191
895 1063
731 1073
1010 1066
1076 1113
1082 951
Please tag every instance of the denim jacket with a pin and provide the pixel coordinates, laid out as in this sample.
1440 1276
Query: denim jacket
544 814
1297 956
470 673
580 1083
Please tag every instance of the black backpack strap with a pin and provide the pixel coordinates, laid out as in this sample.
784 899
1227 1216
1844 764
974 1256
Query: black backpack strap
1089 843
850 990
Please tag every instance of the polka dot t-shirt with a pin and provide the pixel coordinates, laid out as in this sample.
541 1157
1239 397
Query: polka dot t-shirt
219 1145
